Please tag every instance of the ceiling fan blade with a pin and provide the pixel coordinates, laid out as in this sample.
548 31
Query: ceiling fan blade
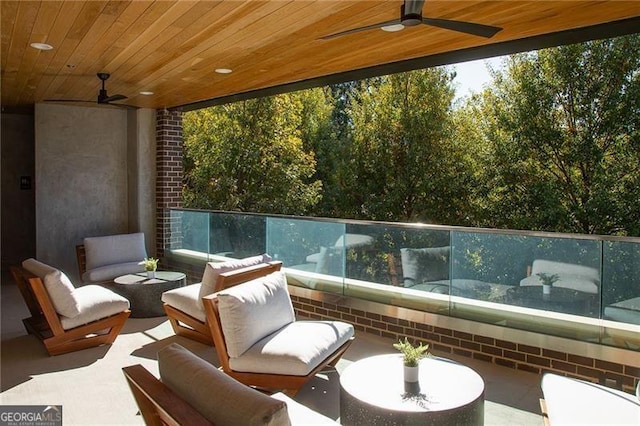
112 98
481 30
357 30
122 105
67 100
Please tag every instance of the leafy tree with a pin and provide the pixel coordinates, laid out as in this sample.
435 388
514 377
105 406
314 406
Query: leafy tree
324 137
249 156
403 163
563 126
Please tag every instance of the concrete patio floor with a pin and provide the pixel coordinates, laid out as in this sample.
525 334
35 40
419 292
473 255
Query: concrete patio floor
91 388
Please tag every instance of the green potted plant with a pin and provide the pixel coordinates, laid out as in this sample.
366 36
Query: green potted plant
411 358
547 281
150 265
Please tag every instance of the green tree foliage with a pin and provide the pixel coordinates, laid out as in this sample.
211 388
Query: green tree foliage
322 136
403 162
563 127
249 156
552 145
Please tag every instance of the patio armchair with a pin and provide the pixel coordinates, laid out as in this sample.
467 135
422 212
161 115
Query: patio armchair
570 275
427 269
260 343
184 306
66 318
183 396
101 259
573 401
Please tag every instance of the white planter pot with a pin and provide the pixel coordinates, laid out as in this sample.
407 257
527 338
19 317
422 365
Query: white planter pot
151 274
411 374
546 289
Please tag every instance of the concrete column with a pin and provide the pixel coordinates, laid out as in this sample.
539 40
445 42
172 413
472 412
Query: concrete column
141 172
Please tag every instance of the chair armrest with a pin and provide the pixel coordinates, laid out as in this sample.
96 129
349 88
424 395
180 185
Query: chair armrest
158 404
238 276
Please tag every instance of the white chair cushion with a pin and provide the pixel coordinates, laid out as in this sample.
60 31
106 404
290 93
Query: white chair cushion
354 240
213 269
624 311
186 299
567 269
114 249
95 303
37 268
424 264
570 275
218 397
566 281
330 261
295 349
251 311
109 272
315 257
62 294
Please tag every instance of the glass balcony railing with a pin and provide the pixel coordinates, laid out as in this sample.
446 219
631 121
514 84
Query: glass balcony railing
489 276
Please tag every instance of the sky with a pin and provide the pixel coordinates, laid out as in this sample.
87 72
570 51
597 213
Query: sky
473 75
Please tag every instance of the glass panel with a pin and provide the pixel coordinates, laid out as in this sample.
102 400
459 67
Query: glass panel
190 231
494 278
504 272
621 289
310 252
237 235
398 265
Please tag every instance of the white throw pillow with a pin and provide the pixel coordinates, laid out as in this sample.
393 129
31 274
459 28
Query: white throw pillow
421 265
253 310
214 269
38 268
196 381
61 294
114 249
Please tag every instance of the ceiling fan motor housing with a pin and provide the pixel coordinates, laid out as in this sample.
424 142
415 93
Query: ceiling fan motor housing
410 19
102 96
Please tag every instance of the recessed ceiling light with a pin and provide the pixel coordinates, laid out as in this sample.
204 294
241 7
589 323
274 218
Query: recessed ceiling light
223 70
392 28
146 93
41 46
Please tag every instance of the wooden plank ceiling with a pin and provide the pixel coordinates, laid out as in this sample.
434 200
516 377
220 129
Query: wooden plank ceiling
172 48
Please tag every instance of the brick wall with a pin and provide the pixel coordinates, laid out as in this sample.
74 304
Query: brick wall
508 354
168 178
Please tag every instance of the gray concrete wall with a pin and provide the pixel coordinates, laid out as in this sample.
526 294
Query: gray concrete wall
81 179
18 205
141 135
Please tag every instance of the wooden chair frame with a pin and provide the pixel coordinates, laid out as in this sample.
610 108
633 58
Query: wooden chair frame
81 255
289 384
45 323
158 404
545 413
190 327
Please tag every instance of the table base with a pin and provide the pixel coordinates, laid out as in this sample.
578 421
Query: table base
354 412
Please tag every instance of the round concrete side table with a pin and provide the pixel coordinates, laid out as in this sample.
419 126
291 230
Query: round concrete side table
144 294
373 392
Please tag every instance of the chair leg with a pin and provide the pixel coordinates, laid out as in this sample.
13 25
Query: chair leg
86 336
194 329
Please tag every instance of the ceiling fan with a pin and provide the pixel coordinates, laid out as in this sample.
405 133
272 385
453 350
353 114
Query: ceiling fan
411 15
103 97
